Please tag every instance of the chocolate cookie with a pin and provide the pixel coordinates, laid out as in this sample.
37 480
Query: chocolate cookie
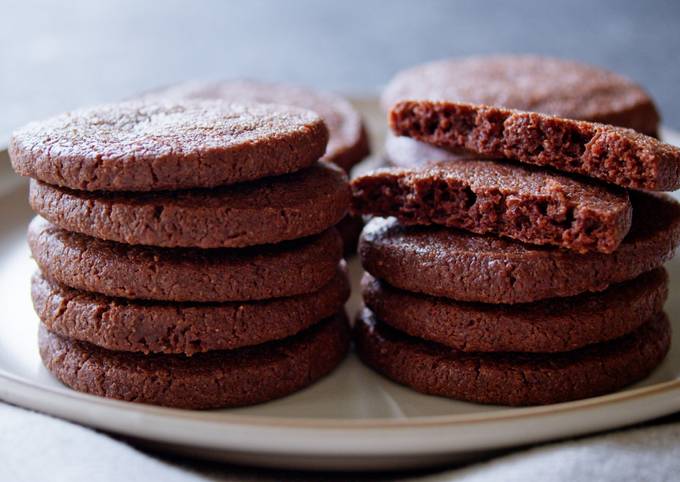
555 325
218 275
468 267
532 83
523 203
516 378
266 211
347 141
612 154
156 327
215 379
137 146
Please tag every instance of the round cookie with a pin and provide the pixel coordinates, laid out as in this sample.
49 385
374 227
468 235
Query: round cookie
516 378
467 267
531 83
266 211
137 146
555 325
347 140
155 327
219 275
216 379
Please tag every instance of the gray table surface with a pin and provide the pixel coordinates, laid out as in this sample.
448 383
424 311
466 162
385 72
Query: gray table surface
56 56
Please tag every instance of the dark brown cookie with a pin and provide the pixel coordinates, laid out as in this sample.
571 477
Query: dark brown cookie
555 325
515 378
532 83
266 211
347 141
157 327
216 379
520 202
137 146
218 275
467 267
612 154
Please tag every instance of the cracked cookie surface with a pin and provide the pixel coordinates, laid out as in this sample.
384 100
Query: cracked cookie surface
347 139
151 146
612 154
487 197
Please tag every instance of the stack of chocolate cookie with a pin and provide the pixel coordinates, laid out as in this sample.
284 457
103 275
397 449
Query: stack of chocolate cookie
348 142
527 271
187 250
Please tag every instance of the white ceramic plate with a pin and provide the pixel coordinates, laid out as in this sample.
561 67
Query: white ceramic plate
353 419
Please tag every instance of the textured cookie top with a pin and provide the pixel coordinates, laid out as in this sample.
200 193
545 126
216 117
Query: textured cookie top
137 146
532 83
467 267
347 142
613 154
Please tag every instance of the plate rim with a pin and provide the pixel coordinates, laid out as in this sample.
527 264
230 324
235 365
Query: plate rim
358 438
504 414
